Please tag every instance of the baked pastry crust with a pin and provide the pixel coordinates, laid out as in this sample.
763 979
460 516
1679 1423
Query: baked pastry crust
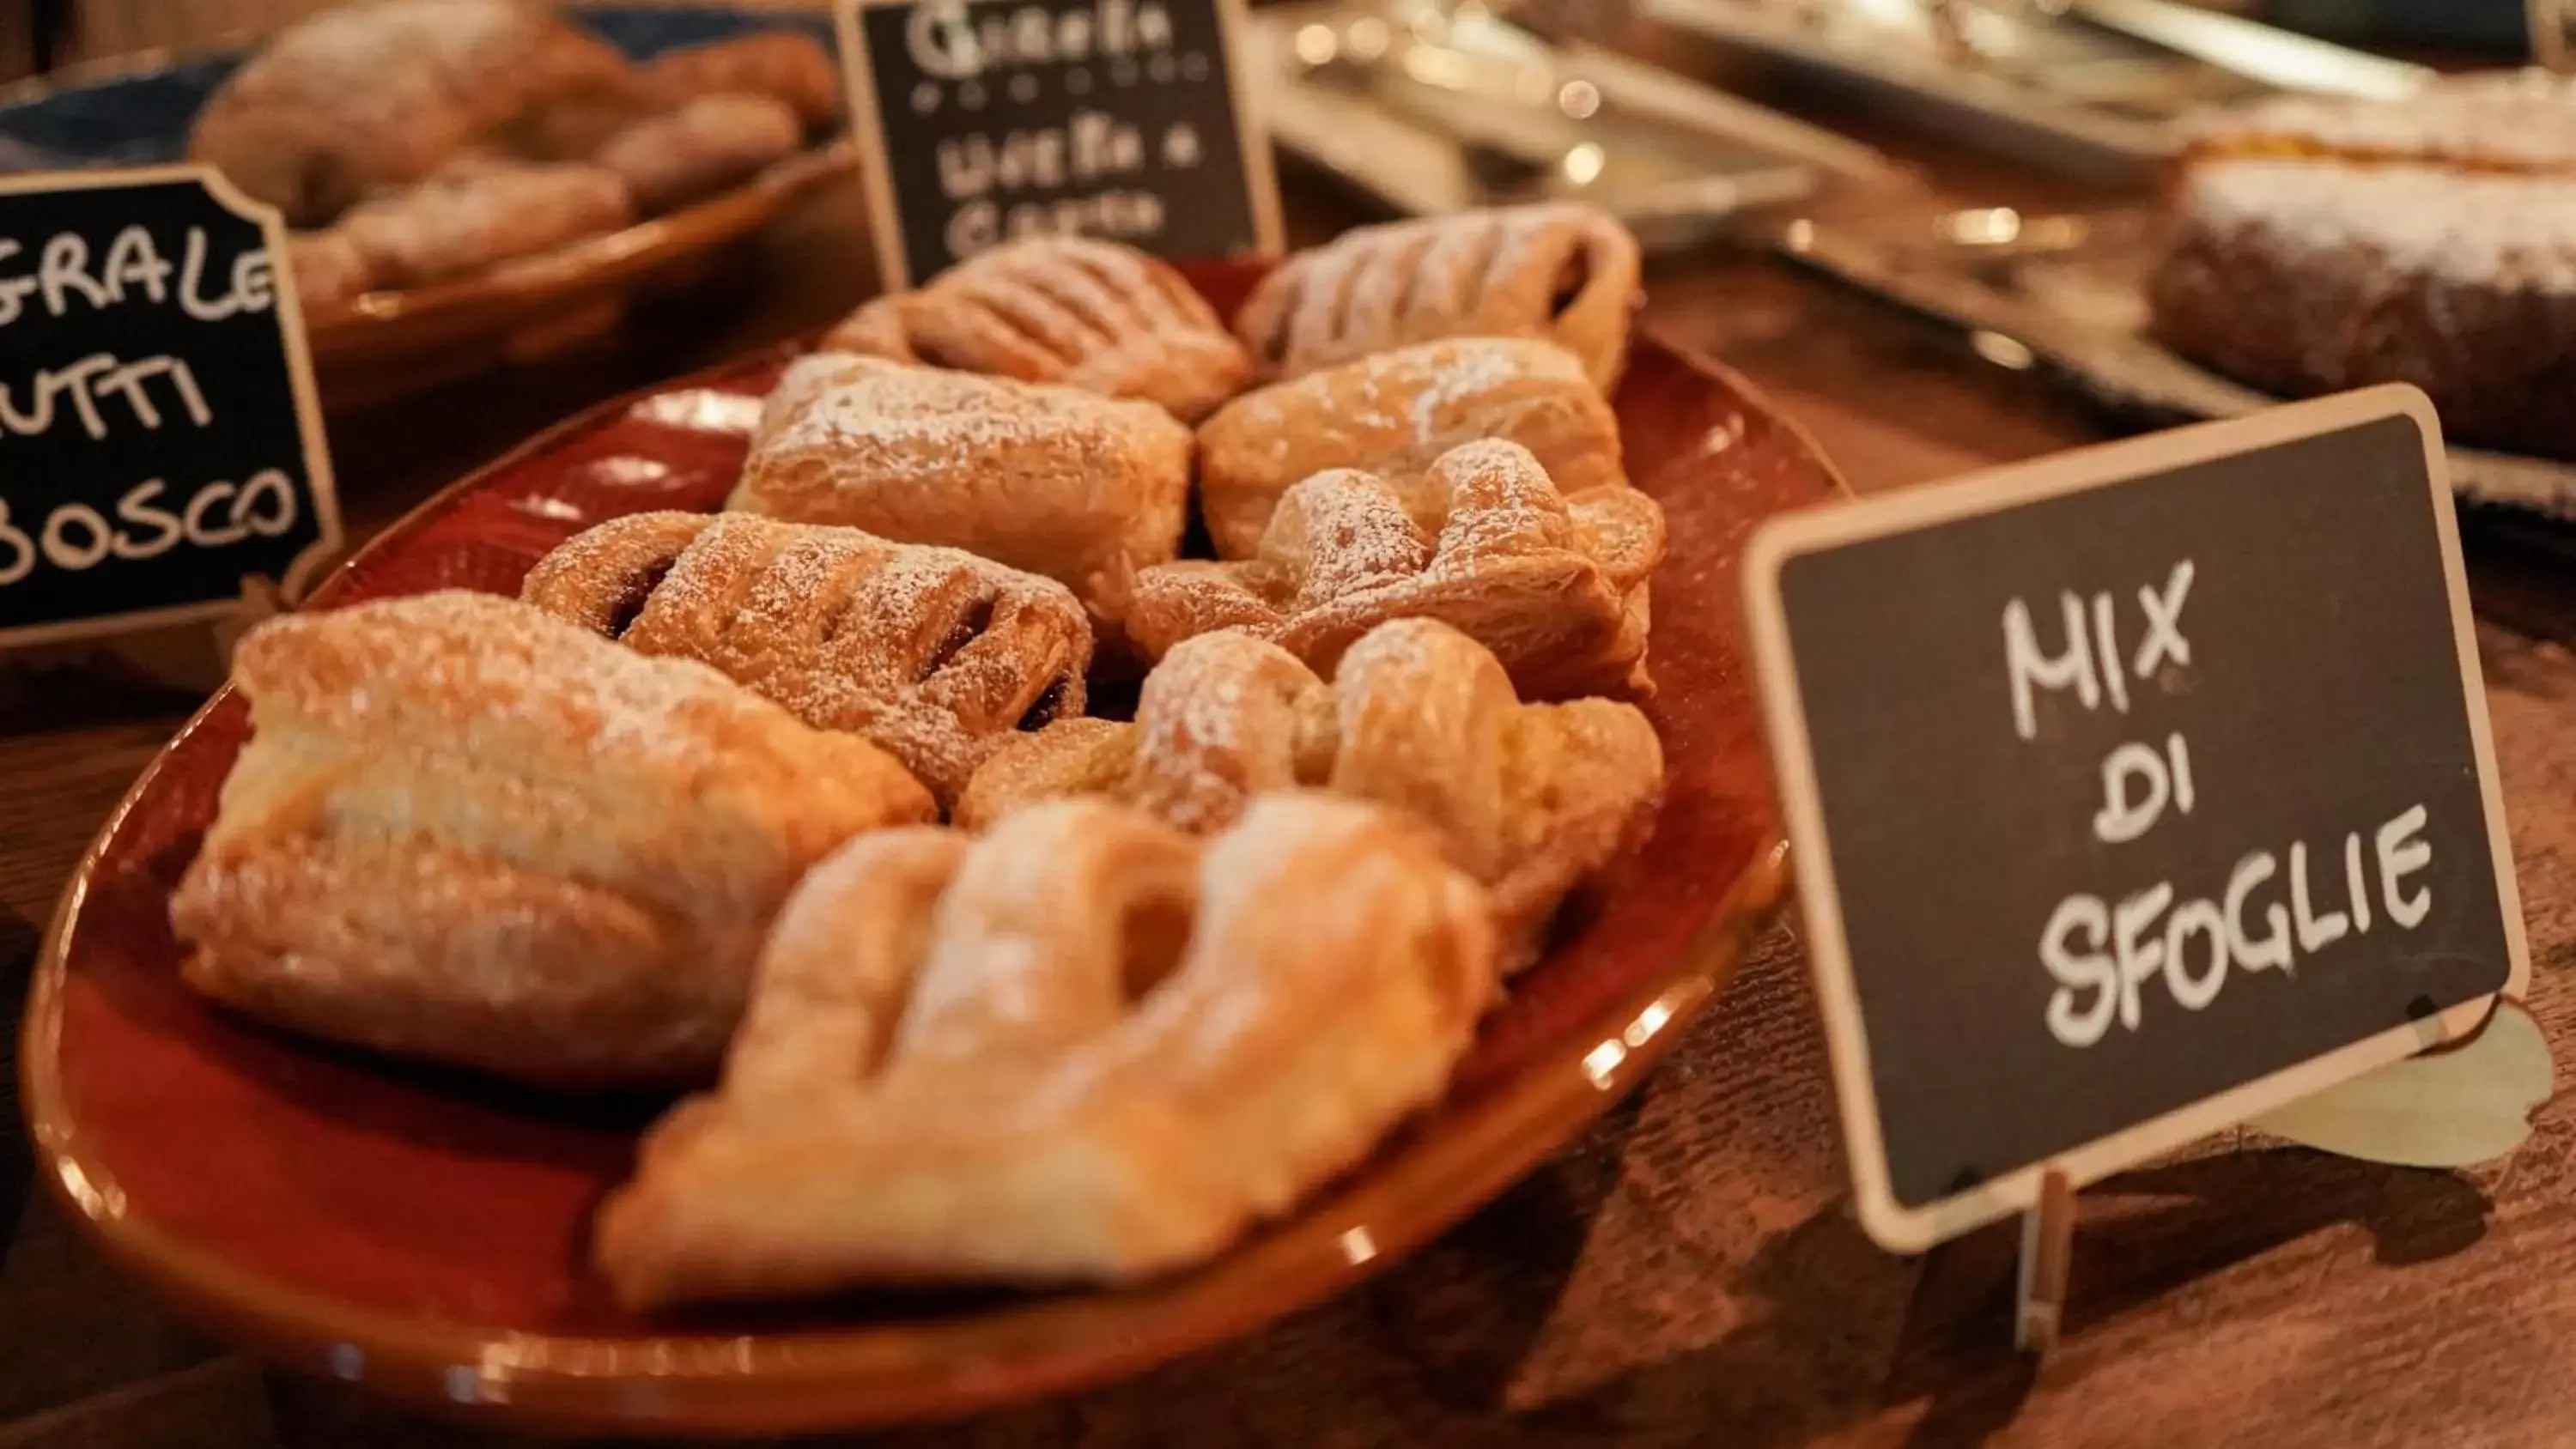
1393 414
1082 1048
479 213
1069 310
2302 278
1078 487
935 655
700 148
1562 271
368 97
1557 591
782 65
469 832
1531 799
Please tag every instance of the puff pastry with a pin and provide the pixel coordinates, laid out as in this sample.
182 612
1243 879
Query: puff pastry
1084 1047
1557 591
466 831
701 148
1072 310
779 64
1393 413
367 97
1562 271
479 213
934 654
1531 799
1078 487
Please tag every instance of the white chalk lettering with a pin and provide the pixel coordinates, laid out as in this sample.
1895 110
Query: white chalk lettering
2402 853
2079 971
2071 669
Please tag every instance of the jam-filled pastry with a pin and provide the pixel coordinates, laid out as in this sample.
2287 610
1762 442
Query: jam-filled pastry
1562 271
701 148
374 96
1393 413
1557 591
779 64
1072 310
1531 799
467 831
1083 1048
479 213
933 653
1081 488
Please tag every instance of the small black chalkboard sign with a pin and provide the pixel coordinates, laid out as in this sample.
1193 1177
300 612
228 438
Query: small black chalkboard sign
2133 792
985 120
160 450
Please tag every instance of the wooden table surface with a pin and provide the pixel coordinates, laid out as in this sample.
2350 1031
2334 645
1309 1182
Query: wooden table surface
1689 1273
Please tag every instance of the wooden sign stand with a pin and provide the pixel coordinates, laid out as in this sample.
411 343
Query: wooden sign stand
2047 1247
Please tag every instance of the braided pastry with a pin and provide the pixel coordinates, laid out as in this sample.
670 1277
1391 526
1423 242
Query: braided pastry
932 653
1562 271
1081 488
1072 310
1556 590
1531 799
1084 1047
466 831
1392 413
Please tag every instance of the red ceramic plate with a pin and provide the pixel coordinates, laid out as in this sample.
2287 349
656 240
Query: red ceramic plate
426 1236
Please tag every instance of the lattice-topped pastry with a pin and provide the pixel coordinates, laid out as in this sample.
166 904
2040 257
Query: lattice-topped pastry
1063 309
1078 487
1556 591
1085 1047
1562 271
936 655
365 97
467 831
1531 799
1394 413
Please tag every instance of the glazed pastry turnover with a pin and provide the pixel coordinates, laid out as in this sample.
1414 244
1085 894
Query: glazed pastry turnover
1394 413
1556 591
1072 310
1562 271
1531 799
934 654
1085 1047
466 831
1078 487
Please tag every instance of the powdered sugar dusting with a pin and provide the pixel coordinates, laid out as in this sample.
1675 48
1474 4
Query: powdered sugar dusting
2486 230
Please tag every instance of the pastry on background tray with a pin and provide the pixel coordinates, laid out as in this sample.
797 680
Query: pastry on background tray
779 64
2320 244
1393 414
1085 1047
1558 592
1081 488
1531 799
366 97
478 213
1085 313
936 655
466 831
702 147
1561 271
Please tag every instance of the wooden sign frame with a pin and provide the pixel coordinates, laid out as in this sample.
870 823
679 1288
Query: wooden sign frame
867 130
308 406
1913 1229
